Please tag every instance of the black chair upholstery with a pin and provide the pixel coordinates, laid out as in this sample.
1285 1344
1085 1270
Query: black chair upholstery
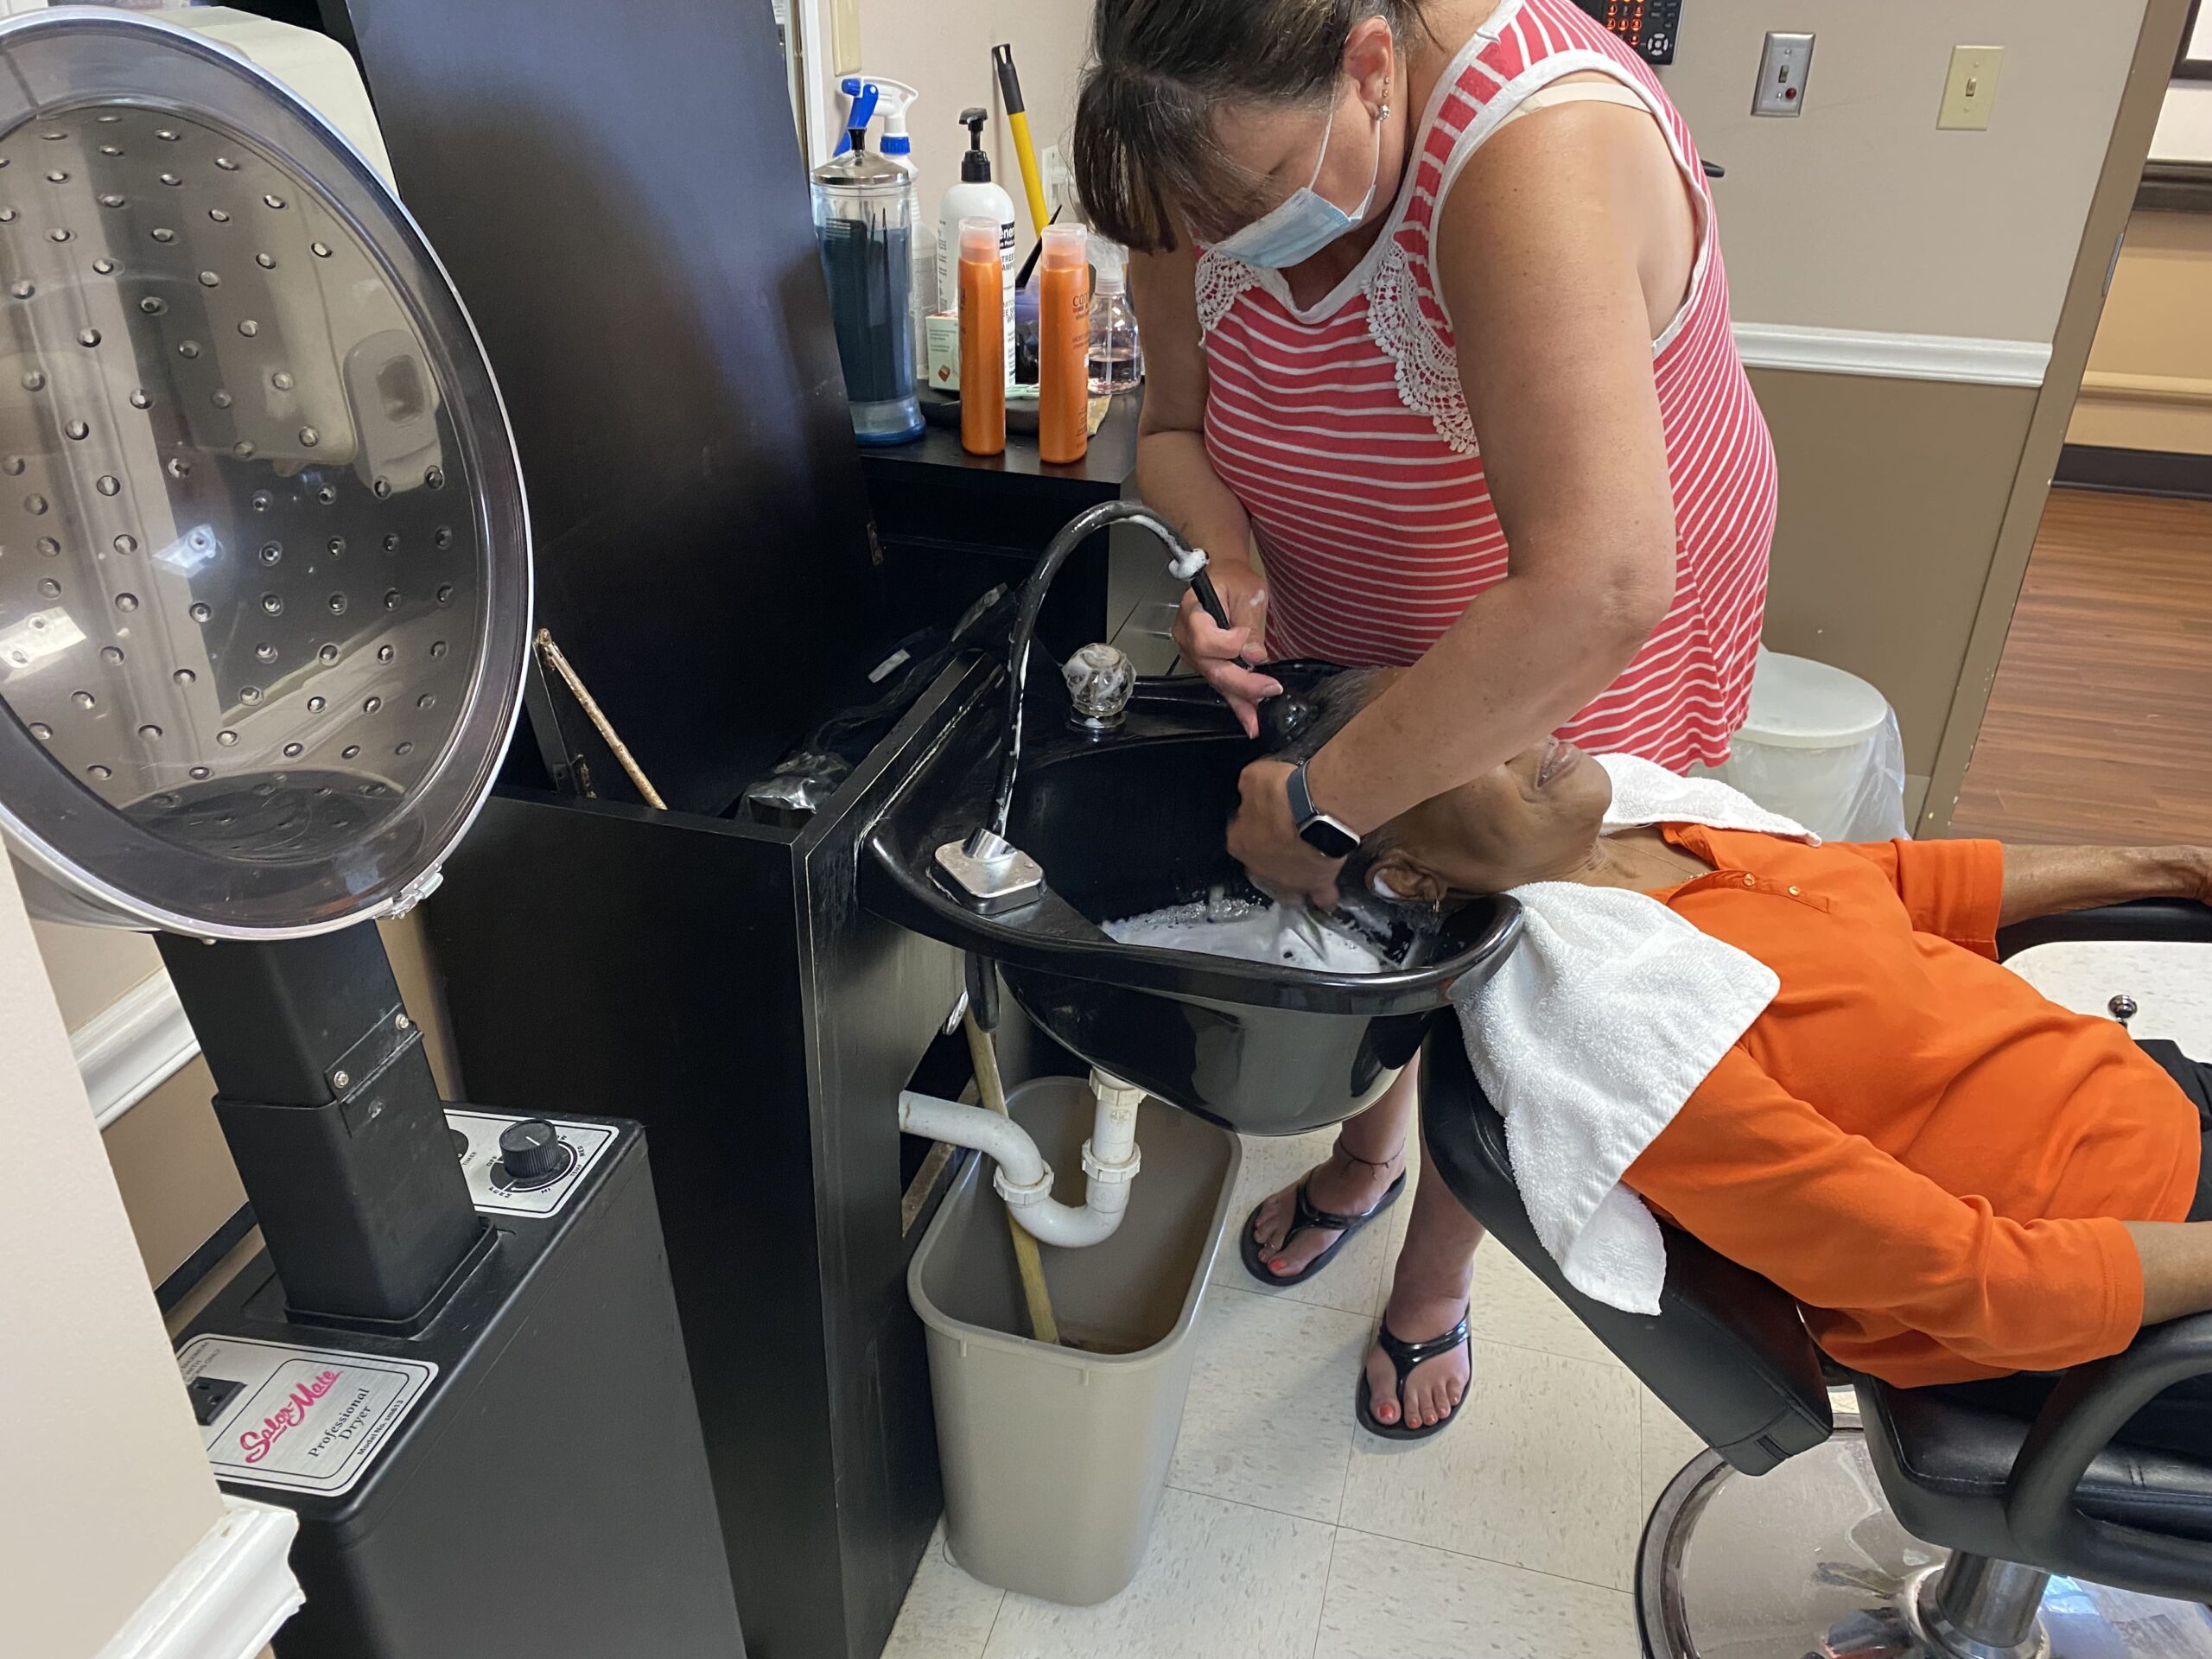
1948 1466
1729 1356
1727 1351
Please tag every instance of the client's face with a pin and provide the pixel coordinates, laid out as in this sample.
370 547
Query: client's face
1536 818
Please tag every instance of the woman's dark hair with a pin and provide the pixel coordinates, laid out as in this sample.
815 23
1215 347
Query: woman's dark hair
1333 703
1145 147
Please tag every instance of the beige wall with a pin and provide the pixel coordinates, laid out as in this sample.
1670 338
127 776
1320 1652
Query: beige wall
106 1486
2149 385
1902 498
173 1169
1859 213
945 51
90 967
1892 497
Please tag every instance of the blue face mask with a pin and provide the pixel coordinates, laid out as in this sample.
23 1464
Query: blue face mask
1306 223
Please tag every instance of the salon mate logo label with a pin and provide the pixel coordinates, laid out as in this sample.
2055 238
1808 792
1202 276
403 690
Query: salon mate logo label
256 1442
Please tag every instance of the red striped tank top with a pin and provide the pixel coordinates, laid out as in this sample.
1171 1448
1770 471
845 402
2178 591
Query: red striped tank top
1344 432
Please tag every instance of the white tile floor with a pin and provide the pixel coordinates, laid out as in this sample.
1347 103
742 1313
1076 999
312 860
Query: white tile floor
1289 1533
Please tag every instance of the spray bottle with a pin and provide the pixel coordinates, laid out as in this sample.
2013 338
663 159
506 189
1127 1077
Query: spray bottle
867 97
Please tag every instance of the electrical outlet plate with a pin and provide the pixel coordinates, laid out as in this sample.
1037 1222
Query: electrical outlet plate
1970 89
1060 182
1783 67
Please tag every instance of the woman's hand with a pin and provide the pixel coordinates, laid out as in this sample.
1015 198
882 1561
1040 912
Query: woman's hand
1212 651
1263 838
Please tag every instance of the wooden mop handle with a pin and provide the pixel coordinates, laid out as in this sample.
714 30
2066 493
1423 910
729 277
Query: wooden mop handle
1026 1258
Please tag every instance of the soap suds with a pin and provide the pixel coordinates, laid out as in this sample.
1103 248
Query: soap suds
1254 932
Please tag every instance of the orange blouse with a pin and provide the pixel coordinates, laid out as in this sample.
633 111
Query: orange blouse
1931 1156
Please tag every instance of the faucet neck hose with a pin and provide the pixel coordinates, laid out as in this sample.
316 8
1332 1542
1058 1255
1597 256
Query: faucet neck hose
1072 535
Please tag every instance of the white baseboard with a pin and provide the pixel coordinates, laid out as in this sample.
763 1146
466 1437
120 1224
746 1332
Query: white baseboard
1893 357
225 1599
132 1046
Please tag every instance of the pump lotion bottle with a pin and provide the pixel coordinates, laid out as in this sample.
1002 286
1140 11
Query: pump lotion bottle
976 197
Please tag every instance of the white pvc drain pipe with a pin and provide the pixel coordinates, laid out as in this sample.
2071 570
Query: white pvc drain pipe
1024 1179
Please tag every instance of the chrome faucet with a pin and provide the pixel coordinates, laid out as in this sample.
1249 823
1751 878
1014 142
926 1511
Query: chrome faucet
987 871
1186 563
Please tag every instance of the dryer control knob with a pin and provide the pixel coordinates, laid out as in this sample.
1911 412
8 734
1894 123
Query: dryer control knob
532 1151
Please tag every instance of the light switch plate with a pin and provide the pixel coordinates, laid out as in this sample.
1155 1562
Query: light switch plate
1783 65
1970 89
845 36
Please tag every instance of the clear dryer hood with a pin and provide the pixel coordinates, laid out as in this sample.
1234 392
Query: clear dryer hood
264 561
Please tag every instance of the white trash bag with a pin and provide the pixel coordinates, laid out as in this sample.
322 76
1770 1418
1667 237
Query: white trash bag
1821 747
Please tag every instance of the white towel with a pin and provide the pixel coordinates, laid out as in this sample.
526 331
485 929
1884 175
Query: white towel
1604 1018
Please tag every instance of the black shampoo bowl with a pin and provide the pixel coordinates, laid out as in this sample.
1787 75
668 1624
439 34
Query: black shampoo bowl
1125 823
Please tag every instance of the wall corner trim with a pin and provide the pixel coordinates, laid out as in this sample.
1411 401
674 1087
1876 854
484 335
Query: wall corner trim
226 1598
132 1046
1893 357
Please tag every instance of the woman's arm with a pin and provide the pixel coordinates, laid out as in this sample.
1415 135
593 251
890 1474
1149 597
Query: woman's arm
2044 880
1542 256
1177 480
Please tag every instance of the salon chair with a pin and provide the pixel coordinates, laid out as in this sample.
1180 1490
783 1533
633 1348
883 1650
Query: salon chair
2002 1536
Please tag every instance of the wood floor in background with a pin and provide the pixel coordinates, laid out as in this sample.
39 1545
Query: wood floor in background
2100 728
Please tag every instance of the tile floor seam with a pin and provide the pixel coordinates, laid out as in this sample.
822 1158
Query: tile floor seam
1491 1560
1608 1363
1262 1509
997 1613
1328 1578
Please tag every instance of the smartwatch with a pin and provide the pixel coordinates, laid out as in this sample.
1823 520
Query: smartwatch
1323 834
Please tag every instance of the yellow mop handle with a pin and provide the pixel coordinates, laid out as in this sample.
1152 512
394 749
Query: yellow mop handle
1017 121
1032 182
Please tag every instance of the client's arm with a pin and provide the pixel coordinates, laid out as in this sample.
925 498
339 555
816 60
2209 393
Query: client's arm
2176 1267
2044 880
1763 1179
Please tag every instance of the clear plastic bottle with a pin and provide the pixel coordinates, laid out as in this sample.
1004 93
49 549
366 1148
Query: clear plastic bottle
1116 355
863 207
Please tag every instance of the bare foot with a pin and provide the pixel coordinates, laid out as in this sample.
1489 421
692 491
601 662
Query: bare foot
1434 1390
1344 1187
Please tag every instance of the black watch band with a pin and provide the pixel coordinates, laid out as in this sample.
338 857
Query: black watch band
1316 827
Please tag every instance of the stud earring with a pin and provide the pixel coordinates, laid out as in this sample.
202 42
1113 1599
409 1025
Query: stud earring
1383 114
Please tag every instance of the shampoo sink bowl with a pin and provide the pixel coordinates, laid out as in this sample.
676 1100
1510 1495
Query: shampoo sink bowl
1126 822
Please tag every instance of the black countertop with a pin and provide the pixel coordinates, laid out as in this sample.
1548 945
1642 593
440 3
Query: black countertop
952 525
1105 466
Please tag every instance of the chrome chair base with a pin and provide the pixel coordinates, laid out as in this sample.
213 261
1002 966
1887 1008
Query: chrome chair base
1808 1562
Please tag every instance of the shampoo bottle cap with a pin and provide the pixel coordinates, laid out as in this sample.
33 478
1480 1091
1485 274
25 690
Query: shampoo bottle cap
1063 246
979 239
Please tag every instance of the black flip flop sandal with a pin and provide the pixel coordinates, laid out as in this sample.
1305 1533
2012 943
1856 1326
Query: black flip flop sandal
1308 1219
1403 1356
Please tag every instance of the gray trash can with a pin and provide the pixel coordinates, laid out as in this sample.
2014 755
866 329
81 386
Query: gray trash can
1054 1458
